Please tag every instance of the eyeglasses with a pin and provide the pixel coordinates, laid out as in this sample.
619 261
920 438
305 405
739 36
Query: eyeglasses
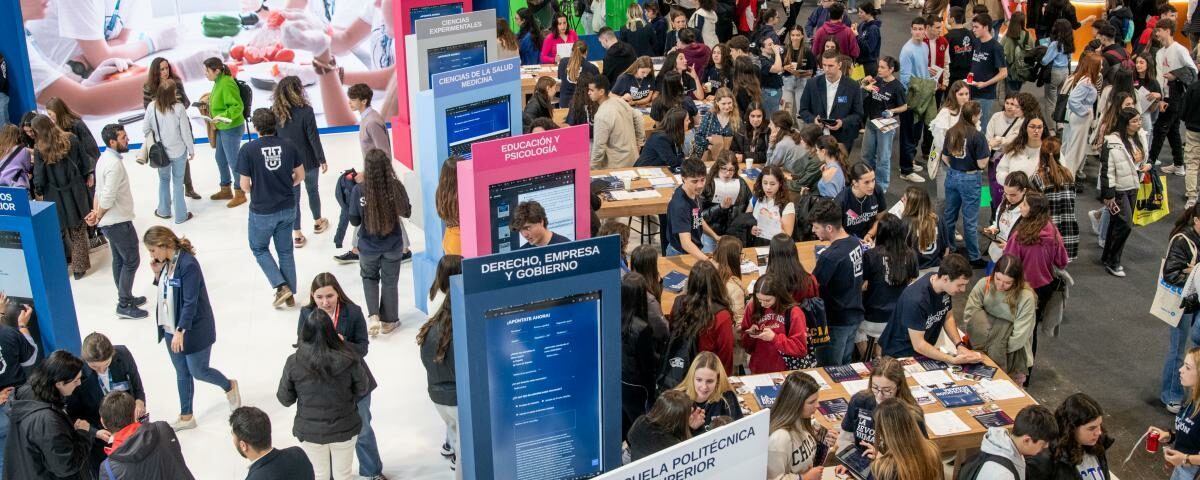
1037 127
884 391
729 169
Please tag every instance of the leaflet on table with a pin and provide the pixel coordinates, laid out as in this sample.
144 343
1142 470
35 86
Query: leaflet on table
931 364
842 373
820 380
634 194
936 377
854 386
833 409
990 416
922 396
611 182
675 281
749 267
944 423
766 395
651 172
974 371
662 182
624 174
999 390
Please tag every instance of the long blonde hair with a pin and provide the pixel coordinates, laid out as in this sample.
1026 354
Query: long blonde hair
735 117
904 452
789 407
575 64
10 137
163 237
633 17
710 361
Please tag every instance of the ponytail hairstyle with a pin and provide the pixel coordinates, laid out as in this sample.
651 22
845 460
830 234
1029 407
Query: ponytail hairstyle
786 124
575 64
214 63
162 237
1053 174
834 149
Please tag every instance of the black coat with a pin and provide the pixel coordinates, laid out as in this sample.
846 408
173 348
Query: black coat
646 439
439 376
660 151
1180 254
42 442
193 312
352 326
848 107
282 464
643 40
87 141
1049 466
302 131
617 59
65 184
151 452
327 408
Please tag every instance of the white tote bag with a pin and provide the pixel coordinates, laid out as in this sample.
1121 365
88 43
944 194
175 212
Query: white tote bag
1168 300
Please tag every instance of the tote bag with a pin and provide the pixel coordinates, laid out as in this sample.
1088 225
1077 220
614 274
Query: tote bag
1151 204
1168 299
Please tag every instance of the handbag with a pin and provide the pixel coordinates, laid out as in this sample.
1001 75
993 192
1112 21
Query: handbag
715 148
156 155
809 360
1060 105
1151 203
858 72
1168 300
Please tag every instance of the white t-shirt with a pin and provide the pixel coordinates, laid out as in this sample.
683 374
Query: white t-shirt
768 216
43 73
1004 223
1089 468
1171 58
68 22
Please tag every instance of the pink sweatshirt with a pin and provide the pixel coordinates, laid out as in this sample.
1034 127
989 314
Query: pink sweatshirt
550 45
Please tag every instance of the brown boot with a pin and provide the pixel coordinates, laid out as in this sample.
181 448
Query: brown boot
225 194
191 194
239 197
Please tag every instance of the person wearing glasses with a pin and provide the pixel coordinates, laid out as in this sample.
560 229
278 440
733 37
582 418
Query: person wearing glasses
887 381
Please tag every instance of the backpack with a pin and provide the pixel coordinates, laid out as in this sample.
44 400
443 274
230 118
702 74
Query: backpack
247 95
344 187
1018 66
809 360
1121 58
970 469
816 321
676 360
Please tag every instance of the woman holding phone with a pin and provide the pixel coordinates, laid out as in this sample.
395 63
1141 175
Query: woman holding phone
1123 160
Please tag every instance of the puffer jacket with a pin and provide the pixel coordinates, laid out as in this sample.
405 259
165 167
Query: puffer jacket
1118 171
152 451
1181 253
327 408
42 442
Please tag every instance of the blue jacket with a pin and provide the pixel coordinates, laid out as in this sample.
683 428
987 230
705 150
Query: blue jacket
193 312
659 151
530 53
869 41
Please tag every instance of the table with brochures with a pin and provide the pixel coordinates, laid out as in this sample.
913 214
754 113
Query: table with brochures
996 400
754 263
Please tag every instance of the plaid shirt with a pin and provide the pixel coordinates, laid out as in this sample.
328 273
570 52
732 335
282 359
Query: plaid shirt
1062 212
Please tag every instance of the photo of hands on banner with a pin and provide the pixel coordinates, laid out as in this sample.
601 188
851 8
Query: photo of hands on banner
95 54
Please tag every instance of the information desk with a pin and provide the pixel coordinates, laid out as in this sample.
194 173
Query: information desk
958 443
684 263
639 206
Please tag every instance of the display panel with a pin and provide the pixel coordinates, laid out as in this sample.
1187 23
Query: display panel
475 122
430 11
554 191
454 57
543 404
14 275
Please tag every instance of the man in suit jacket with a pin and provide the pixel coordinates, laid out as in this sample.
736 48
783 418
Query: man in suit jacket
835 101
252 437
372 130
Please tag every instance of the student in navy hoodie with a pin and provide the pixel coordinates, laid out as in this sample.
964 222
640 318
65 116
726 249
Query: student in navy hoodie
870 41
658 24
529 38
818 17
252 438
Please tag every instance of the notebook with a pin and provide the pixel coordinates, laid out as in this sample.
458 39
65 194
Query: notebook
957 396
766 395
675 281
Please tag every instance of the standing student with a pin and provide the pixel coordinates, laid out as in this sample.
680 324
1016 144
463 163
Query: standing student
1002 454
783 262
177 140
1079 450
888 268
251 431
863 201
728 257
903 452
272 166
60 173
1016 44
17 158
1080 111
839 271
885 383
1057 183
706 307
69 121
923 312
884 98
707 384
1183 251
112 212
1001 131
529 37
225 104
138 450
1060 46
947 117
1025 151
43 443
298 124
1184 438
835 103
639 358
773 327
184 318
1176 73
19 352
964 156
1006 214
1000 318
377 207
1037 243
773 212
571 70
686 229
372 131
644 260
638 33
988 67
924 227
838 29
160 71
771 71
107 369
799 65
1123 160
617 129
436 342
962 45
793 440
667 423
870 40
446 199
919 84
326 378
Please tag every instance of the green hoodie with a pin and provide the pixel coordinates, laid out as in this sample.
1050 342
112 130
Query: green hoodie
226 101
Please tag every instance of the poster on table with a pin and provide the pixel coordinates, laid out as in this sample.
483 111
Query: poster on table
736 450
74 44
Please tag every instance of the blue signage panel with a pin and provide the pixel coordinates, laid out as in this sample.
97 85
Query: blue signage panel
537 354
14 201
475 77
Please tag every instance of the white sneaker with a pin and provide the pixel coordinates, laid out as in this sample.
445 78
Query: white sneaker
1094 216
234 396
180 424
1191 202
1180 171
913 178
373 325
918 168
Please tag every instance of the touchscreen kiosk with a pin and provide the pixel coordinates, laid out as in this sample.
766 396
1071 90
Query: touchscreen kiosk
454 57
555 192
476 122
430 11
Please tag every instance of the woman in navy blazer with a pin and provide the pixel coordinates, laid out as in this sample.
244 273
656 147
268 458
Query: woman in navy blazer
326 294
185 319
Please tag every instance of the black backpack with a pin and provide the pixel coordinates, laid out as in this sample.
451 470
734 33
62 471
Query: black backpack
970 470
675 363
247 95
344 187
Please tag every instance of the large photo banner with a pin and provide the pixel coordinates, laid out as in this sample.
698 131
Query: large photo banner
97 55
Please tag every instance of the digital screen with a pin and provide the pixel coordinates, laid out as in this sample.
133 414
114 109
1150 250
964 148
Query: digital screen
454 57
431 11
14 276
544 378
474 122
554 191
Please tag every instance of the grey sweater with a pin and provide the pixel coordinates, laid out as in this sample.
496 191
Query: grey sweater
173 129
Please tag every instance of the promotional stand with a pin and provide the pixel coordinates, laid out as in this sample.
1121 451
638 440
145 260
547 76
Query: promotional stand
537 354
736 450
33 268
509 171
464 106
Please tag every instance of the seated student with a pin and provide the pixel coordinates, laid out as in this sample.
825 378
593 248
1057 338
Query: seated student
541 103
138 450
886 382
774 331
252 437
792 445
708 386
636 84
666 424
888 268
1000 318
530 220
725 193
705 313
839 271
783 262
902 452
1079 450
1002 453
664 148
687 232
770 206
923 311
107 368
1184 438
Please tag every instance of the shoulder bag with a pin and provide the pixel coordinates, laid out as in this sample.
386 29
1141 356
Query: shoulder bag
156 155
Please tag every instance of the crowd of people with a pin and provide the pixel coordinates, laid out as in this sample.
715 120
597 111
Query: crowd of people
757 110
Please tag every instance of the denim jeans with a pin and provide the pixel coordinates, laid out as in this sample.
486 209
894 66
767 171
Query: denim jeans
228 143
877 152
123 241
4 409
840 350
381 270
707 245
770 101
367 448
986 107
910 135
1172 391
314 197
1185 472
793 89
962 195
193 366
170 189
278 227
3 121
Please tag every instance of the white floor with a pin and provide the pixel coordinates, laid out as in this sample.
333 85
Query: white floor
253 339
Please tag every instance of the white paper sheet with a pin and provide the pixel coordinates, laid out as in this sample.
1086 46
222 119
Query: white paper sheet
749 267
854 386
650 172
624 174
1001 389
662 182
936 377
623 195
756 381
564 50
945 423
820 381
